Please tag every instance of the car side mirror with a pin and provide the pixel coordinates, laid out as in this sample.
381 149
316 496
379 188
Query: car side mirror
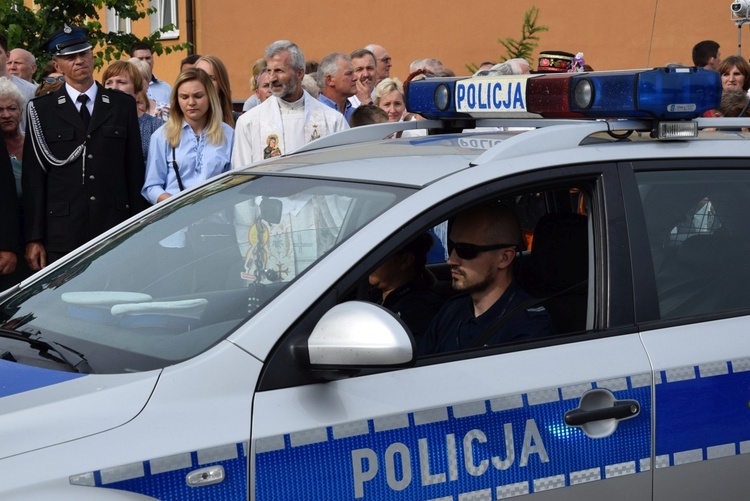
359 335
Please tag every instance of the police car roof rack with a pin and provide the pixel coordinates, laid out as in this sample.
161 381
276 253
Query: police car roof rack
558 137
367 133
381 131
723 122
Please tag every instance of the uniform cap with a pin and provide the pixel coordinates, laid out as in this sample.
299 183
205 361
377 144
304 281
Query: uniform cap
555 61
68 40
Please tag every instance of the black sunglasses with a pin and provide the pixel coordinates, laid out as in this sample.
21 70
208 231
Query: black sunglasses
51 80
470 251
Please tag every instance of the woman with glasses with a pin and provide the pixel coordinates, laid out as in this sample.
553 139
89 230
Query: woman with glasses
51 80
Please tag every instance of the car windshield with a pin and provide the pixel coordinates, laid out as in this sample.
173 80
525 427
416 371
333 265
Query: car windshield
183 278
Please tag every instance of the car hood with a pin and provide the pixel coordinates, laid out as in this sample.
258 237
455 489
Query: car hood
40 407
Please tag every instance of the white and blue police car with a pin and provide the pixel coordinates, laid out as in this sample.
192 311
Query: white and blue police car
222 346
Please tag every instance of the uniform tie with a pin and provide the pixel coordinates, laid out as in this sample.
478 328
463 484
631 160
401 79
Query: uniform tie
85 115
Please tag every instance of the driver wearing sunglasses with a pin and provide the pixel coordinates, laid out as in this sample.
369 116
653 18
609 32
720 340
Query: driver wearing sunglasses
482 245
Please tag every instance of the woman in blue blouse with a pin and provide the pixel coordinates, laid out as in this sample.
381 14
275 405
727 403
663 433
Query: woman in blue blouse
194 144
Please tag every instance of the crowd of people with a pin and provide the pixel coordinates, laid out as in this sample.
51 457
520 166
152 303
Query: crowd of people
82 156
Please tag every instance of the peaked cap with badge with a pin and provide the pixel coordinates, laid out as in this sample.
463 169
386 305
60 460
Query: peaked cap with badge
68 40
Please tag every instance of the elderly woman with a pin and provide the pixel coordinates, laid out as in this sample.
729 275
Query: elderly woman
125 77
155 109
389 96
12 269
11 110
735 73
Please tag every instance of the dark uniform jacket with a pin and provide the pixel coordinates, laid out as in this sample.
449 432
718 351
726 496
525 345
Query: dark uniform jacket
455 327
68 205
415 304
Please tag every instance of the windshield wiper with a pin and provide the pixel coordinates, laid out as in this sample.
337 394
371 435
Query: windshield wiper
72 358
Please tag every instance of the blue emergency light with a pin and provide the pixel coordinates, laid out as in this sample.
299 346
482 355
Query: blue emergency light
676 93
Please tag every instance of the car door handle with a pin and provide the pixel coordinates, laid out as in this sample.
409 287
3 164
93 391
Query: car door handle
620 409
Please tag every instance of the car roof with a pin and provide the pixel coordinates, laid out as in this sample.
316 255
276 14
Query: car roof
421 160
414 161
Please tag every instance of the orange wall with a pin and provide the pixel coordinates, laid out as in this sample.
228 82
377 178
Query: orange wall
612 35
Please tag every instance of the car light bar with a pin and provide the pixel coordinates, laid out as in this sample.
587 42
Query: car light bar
676 93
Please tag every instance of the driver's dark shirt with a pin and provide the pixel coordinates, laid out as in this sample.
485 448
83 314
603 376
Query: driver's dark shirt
455 327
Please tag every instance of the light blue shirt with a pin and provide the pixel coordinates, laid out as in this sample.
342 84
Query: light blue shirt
159 90
348 108
197 161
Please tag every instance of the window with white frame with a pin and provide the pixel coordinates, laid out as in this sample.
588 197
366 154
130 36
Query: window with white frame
165 14
116 24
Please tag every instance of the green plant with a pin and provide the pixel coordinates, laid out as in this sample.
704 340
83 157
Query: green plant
524 47
30 28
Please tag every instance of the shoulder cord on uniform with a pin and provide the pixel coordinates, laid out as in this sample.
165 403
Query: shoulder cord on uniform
40 144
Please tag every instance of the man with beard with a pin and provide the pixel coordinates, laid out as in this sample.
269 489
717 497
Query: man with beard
364 69
482 244
291 114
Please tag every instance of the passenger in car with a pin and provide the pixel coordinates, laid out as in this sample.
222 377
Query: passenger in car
403 285
482 244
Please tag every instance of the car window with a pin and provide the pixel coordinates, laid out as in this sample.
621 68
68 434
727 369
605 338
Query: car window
699 235
182 278
553 264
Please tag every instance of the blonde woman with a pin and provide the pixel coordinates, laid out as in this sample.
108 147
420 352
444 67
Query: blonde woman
389 97
194 144
259 68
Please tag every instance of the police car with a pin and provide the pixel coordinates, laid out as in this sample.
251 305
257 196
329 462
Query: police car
221 345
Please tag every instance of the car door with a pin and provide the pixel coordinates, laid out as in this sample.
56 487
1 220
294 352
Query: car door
689 228
565 417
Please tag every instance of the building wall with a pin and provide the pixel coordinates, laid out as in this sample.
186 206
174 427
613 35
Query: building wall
612 35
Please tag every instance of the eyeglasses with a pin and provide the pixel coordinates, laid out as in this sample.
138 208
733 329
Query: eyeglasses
471 251
51 80
386 60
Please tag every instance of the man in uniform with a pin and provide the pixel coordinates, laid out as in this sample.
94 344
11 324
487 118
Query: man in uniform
83 163
482 247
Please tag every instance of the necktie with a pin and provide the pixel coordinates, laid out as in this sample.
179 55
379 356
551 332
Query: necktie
85 115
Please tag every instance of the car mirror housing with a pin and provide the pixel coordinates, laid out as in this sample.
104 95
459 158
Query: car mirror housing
359 335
